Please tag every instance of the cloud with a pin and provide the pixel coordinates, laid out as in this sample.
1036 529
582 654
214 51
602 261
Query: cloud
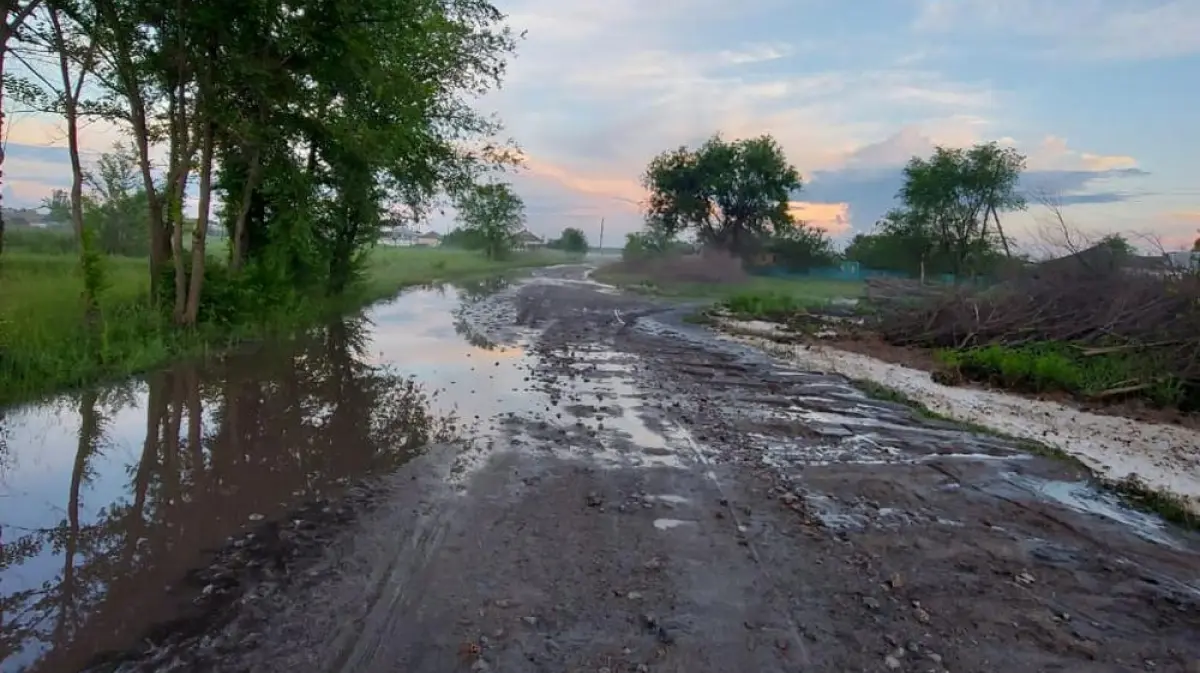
868 179
1179 230
833 218
1084 29
597 89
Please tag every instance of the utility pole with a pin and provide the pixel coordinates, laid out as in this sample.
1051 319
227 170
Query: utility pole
600 248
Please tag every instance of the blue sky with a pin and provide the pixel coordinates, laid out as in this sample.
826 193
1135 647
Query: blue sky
1094 92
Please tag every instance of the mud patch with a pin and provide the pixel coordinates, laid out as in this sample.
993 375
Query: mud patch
1115 448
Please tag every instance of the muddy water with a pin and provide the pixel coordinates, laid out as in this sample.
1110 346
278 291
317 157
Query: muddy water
109 495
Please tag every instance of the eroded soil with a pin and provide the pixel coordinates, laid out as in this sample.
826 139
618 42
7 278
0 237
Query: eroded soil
651 498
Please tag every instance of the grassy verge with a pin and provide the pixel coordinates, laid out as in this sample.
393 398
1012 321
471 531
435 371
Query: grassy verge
45 345
773 290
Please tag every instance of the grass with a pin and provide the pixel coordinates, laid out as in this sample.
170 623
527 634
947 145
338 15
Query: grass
804 291
45 346
1061 367
1131 490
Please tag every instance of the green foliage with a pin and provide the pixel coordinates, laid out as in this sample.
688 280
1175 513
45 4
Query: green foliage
800 247
951 206
1058 367
1120 248
770 305
45 344
495 215
35 240
115 205
572 240
463 239
731 195
59 205
900 243
318 119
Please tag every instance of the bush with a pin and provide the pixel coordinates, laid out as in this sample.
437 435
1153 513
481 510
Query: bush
768 306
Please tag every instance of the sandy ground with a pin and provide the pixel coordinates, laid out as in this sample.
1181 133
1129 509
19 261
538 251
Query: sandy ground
1163 456
655 498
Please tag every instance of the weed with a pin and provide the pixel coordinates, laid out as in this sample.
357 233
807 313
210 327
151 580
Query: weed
767 305
1169 506
1060 367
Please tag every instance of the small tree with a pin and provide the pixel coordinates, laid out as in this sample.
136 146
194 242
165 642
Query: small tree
59 205
732 194
572 240
494 215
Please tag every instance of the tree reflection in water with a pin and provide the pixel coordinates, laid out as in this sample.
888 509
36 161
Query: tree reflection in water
472 292
251 433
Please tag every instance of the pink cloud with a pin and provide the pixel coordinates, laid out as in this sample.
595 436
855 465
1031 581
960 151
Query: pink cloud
832 218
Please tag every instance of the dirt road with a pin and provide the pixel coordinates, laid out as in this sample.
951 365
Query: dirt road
645 496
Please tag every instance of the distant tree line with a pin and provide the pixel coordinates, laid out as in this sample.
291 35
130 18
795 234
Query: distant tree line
736 196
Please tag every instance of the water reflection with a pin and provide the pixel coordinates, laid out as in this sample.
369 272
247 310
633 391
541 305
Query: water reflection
115 492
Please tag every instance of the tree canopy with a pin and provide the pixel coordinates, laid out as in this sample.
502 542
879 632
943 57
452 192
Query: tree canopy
305 119
730 194
571 240
951 203
492 214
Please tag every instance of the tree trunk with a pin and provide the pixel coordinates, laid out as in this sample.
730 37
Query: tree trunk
239 225
71 115
1000 230
160 249
200 233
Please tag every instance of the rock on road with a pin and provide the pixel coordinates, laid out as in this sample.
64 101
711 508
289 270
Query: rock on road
671 501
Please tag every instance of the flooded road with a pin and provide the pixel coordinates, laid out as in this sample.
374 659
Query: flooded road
565 478
110 495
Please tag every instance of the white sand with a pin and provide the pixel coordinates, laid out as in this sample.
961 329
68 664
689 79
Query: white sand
1164 457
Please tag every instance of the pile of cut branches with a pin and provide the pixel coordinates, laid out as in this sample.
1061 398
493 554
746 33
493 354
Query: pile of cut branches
1097 314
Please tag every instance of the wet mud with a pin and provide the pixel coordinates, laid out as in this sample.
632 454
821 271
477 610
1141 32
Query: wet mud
611 489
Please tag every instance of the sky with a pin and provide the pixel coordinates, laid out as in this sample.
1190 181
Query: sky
1100 95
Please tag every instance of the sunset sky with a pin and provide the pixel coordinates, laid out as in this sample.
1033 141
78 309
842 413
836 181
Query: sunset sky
1101 95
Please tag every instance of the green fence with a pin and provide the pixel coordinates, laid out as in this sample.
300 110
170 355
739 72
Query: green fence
848 271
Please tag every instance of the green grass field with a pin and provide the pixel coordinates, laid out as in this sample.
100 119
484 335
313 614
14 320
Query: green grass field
804 291
45 345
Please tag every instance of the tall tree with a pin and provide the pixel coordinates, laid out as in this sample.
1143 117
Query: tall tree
494 215
732 194
955 195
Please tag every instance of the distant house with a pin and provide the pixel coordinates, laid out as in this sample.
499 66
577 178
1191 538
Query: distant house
1184 260
397 235
1103 259
25 217
429 239
527 239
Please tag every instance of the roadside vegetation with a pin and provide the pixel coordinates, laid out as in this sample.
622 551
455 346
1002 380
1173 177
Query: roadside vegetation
939 272
293 132
45 345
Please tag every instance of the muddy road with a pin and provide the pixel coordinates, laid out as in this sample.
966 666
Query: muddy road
604 488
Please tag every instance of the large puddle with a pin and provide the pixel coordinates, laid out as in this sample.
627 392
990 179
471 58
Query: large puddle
109 495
